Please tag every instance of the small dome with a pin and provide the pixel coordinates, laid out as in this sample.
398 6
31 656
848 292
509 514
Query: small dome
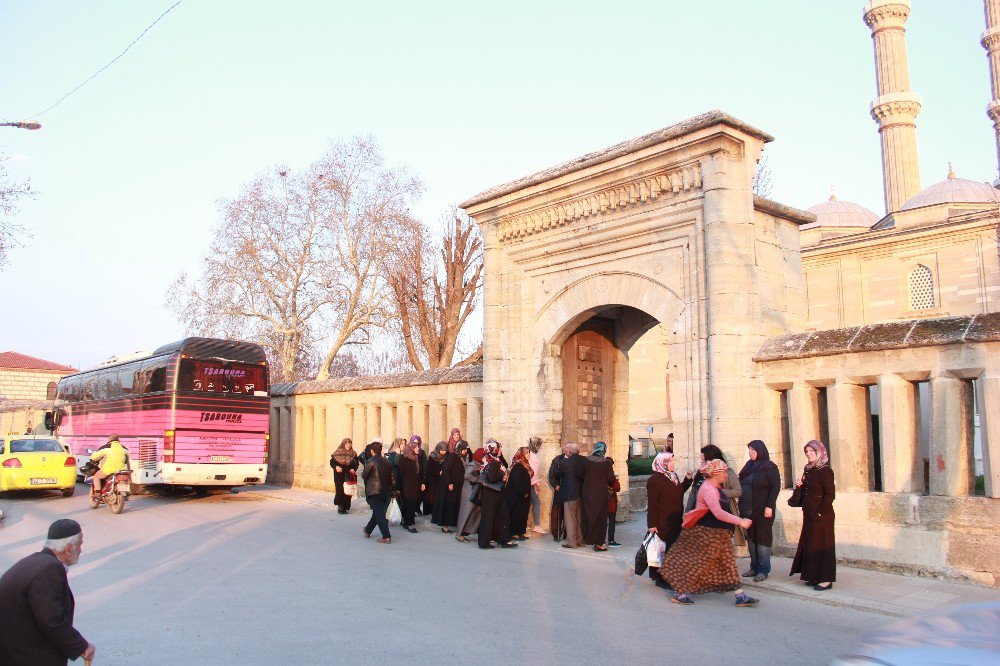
834 213
953 190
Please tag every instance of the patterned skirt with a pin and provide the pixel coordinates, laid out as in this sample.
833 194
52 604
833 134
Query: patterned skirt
701 560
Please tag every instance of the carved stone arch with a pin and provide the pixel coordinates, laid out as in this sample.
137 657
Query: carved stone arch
598 292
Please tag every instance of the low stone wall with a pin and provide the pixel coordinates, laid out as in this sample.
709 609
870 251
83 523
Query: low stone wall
309 419
923 535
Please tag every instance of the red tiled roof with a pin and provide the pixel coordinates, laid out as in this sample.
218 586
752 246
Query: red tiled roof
12 360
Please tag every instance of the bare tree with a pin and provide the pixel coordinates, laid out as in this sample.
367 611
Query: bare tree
11 192
435 289
761 184
297 261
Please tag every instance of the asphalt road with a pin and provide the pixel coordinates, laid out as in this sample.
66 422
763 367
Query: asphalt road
247 579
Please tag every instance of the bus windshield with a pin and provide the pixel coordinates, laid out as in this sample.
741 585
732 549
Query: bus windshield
220 376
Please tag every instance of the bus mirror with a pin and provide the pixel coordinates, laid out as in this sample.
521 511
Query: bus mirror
50 422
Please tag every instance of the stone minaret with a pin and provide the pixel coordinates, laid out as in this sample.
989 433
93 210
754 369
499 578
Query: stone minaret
991 42
896 107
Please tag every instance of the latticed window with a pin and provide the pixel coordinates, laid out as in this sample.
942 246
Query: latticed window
921 288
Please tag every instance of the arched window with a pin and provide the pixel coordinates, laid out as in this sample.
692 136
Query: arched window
50 391
921 288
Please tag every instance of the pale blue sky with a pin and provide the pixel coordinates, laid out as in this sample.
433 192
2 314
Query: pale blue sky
467 94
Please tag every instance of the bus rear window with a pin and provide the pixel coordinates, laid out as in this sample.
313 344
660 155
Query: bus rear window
220 377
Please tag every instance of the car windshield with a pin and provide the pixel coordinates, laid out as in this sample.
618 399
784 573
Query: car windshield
29 445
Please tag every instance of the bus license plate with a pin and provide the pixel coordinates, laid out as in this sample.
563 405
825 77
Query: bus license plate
222 458
39 482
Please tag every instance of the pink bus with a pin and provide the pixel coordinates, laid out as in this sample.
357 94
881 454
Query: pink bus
192 413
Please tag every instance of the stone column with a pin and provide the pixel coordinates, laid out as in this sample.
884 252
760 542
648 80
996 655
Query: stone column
474 425
902 465
438 427
732 300
849 432
287 434
320 444
991 42
803 423
358 433
373 427
896 107
420 424
952 463
989 423
388 425
274 430
453 418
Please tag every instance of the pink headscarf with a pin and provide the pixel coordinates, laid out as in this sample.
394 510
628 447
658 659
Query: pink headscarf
822 458
492 451
713 467
660 465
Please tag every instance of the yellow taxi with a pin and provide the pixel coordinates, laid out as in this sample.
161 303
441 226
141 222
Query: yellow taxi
36 462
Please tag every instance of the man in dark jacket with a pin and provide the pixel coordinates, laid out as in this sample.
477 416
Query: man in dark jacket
569 478
36 604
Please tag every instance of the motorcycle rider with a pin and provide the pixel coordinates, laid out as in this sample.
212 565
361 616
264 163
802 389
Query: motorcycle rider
115 459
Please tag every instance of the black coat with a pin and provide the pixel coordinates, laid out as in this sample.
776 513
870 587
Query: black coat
568 476
410 478
340 497
760 491
816 555
36 613
446 502
598 477
517 496
666 506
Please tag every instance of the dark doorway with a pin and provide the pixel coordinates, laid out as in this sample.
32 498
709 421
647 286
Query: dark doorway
588 382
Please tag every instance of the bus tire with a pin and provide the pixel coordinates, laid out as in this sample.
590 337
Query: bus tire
200 491
137 488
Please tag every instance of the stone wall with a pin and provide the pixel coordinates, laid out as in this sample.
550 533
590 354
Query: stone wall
26 384
309 419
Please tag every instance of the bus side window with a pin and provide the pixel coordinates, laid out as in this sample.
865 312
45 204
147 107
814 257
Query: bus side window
158 380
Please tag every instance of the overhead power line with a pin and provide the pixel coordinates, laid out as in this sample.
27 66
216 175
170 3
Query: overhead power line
113 60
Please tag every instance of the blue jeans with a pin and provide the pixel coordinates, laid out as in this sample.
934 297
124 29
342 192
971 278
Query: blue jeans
760 557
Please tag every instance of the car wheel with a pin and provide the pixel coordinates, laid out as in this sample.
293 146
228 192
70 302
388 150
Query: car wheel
68 492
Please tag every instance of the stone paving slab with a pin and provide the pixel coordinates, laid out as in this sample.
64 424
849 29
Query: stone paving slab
861 589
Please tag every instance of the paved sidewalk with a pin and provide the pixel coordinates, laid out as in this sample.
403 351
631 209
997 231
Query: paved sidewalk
861 589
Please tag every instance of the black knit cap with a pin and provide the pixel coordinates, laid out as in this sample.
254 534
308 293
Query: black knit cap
63 528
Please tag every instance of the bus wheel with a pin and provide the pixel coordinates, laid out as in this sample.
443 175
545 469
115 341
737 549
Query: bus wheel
116 502
137 488
201 491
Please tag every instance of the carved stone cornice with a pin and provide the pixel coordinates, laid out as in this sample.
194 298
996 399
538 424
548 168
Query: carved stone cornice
993 110
991 39
629 194
880 16
899 108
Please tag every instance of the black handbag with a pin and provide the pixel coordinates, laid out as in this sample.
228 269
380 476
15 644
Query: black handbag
477 495
641 562
796 498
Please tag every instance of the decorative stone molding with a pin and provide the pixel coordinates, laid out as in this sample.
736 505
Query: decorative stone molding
882 15
895 108
634 193
993 110
991 39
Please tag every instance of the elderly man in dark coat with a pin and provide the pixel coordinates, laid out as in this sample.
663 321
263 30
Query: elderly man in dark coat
36 604
569 480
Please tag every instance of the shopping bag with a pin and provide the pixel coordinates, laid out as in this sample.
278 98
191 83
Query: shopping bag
394 515
692 517
655 550
640 556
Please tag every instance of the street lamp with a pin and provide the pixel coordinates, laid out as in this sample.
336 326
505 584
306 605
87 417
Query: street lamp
24 124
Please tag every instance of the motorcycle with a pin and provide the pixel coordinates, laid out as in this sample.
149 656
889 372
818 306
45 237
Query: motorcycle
115 491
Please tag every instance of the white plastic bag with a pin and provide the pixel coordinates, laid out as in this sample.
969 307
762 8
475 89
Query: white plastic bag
394 515
655 551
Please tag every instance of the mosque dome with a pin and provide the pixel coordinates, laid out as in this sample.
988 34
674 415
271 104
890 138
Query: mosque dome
953 190
835 213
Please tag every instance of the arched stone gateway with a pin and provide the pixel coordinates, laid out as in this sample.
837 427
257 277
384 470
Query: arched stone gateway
584 258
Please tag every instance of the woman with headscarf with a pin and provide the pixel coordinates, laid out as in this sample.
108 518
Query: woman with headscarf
449 492
517 494
534 446
432 476
493 521
469 513
454 437
665 493
701 560
761 482
816 555
598 478
731 489
411 474
344 462
378 491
